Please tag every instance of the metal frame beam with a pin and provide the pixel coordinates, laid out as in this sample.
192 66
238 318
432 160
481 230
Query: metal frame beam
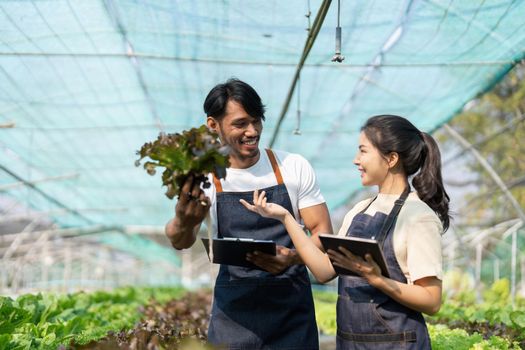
497 179
34 182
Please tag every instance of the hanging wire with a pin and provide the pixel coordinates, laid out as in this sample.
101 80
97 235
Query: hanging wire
338 13
51 199
297 130
312 35
338 57
308 15
112 9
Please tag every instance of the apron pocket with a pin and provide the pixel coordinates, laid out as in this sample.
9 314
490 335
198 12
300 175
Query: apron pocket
357 311
366 294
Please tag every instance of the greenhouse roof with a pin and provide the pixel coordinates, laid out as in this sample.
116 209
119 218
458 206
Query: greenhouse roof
85 83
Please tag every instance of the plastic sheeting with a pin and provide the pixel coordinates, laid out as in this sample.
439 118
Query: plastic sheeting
86 83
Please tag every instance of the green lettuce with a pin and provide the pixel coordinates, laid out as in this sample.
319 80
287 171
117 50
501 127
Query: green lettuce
196 152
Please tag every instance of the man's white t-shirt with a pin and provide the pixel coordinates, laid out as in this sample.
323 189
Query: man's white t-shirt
417 234
298 176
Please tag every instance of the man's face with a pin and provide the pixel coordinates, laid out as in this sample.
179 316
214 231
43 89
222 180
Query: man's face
240 131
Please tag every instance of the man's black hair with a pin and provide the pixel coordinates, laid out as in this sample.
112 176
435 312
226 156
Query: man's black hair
237 90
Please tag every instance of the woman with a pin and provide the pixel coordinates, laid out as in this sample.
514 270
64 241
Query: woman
373 311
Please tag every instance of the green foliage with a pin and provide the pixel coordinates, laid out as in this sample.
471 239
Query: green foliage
485 318
11 316
45 321
325 296
459 286
498 294
443 338
325 307
494 316
195 152
502 109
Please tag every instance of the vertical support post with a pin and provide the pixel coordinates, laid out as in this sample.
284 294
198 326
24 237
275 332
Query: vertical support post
499 182
496 269
84 267
479 253
186 268
513 266
452 256
67 267
522 277
46 261
3 277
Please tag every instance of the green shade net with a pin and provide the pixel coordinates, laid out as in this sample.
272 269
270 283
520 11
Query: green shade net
88 82
142 248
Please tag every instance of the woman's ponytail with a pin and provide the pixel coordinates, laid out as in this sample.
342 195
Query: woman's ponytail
419 155
428 182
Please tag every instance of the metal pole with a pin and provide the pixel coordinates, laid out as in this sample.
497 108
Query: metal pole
34 182
46 261
479 253
84 266
186 268
496 270
67 267
513 267
522 284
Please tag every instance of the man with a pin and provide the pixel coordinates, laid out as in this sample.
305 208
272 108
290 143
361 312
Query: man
270 307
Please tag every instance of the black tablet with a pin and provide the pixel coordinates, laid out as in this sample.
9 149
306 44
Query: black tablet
358 246
232 251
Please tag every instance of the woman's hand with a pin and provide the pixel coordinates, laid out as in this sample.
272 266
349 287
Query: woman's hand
268 210
368 268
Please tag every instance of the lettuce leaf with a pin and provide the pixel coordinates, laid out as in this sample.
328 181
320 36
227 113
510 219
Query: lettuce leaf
195 152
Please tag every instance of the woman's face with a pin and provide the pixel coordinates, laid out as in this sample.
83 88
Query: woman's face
370 162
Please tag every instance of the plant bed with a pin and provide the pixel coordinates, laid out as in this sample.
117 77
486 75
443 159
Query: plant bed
485 320
177 324
46 321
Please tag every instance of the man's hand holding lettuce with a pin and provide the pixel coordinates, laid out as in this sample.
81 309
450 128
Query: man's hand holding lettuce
194 153
188 158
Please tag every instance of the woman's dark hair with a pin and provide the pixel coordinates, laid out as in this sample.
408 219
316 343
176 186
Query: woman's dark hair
237 90
417 151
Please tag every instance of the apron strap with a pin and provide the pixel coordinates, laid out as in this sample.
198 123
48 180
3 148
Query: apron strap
406 336
369 204
275 166
217 183
393 215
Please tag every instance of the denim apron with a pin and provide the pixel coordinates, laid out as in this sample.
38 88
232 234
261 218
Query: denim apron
253 309
366 317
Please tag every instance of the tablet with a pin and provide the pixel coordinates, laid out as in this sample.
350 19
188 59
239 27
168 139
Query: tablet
358 246
232 251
